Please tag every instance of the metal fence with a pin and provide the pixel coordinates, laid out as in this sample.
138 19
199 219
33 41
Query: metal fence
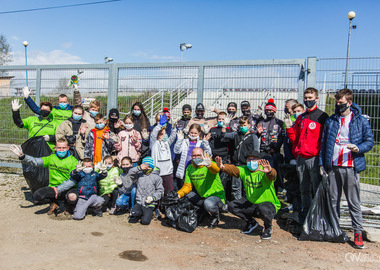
159 85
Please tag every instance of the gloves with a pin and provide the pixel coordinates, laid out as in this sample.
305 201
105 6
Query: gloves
15 105
26 92
101 166
206 128
186 131
46 138
163 119
75 86
287 121
79 166
16 150
322 171
117 180
149 200
353 147
210 108
180 135
206 160
227 120
145 134
259 111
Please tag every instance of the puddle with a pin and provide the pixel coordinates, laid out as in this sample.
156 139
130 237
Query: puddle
133 255
97 233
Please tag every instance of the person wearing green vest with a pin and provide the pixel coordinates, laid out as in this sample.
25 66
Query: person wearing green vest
261 201
203 186
60 165
37 126
59 113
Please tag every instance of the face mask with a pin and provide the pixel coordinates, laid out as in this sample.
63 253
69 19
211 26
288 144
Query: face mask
109 166
100 126
136 112
44 113
63 106
126 169
269 114
193 138
197 161
220 123
341 108
87 170
253 165
93 113
148 171
286 111
296 115
113 120
129 126
61 154
244 129
165 138
309 103
77 117
232 113
186 117
199 114
246 112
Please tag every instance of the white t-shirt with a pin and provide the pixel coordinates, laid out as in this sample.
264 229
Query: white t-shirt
342 156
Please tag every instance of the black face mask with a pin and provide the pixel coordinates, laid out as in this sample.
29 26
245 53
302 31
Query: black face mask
126 169
286 111
246 112
113 120
309 103
231 113
269 115
44 113
199 114
341 108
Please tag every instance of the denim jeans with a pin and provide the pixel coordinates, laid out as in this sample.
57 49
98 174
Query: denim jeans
127 199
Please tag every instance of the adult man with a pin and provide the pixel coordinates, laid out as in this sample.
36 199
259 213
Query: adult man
306 135
37 126
60 165
246 111
203 186
199 118
347 135
287 144
261 201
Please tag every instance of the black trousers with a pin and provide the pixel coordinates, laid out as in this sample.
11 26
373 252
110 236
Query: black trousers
110 200
246 210
47 195
143 212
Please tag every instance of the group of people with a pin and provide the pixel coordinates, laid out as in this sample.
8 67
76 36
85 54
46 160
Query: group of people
226 163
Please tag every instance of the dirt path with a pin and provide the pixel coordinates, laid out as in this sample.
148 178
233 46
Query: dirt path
29 239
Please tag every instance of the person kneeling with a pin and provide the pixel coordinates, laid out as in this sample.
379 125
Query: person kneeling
149 191
261 201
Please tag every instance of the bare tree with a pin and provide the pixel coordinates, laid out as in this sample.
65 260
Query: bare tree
5 50
62 87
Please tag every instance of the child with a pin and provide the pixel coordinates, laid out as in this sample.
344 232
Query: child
108 187
87 182
127 189
129 144
149 191
98 143
185 147
161 154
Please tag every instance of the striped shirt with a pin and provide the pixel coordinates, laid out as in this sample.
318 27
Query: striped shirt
342 155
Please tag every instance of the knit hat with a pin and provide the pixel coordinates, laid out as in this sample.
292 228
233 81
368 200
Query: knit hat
148 160
166 111
270 105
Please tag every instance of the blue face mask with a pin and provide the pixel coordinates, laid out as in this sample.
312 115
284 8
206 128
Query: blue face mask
244 129
77 117
93 113
165 138
296 115
253 165
63 106
197 161
61 154
220 123
100 126
136 112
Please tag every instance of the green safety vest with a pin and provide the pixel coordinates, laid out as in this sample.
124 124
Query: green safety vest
59 168
33 124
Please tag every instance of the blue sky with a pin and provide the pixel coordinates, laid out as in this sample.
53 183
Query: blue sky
151 30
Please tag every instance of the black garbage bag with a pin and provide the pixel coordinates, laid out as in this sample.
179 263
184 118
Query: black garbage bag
182 215
170 199
36 177
321 223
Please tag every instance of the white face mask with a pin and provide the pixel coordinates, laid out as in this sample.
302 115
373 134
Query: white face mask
109 166
193 138
129 126
87 170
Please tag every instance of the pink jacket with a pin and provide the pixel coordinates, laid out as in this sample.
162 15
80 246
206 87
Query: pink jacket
129 145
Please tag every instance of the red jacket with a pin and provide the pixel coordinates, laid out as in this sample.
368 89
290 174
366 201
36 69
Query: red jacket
306 133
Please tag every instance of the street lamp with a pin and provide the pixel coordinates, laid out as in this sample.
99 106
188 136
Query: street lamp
26 43
184 46
351 15
107 59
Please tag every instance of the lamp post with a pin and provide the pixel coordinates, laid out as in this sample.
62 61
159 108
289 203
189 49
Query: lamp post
351 15
184 46
107 60
25 43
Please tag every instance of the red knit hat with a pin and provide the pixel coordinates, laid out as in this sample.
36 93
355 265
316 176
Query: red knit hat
270 105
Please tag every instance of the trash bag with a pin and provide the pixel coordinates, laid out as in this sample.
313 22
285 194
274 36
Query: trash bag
170 199
36 177
321 223
182 215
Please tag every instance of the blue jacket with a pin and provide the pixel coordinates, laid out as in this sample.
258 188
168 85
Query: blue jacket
87 182
360 134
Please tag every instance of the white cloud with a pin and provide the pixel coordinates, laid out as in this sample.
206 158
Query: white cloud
54 57
148 55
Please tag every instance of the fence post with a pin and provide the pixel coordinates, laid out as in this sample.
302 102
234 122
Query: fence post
200 84
113 76
38 86
301 82
151 109
162 100
170 102
311 71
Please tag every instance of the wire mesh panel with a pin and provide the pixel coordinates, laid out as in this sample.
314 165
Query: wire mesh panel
364 81
156 88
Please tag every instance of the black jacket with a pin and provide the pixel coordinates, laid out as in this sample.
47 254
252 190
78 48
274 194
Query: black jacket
240 145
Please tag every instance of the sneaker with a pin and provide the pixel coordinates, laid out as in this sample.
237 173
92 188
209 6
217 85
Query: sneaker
250 227
98 212
358 241
53 209
267 234
112 211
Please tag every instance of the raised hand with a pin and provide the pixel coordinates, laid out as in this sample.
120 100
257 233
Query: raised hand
16 150
145 134
26 92
210 108
163 119
180 135
79 166
117 180
106 135
227 120
267 168
206 160
118 124
186 130
83 128
206 128
259 128
144 166
219 162
287 121
102 166
207 137
15 105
